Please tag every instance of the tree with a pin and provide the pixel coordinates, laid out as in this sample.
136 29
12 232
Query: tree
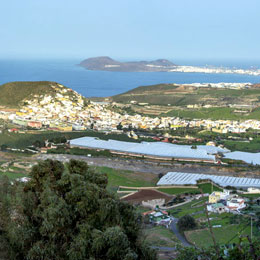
119 126
186 222
3 147
67 213
39 143
160 175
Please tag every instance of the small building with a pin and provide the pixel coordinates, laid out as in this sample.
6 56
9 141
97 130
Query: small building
216 196
13 130
216 208
35 124
253 191
20 122
65 128
44 149
236 204
158 217
78 127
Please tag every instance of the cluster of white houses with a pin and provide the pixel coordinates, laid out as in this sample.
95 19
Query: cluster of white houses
193 69
67 110
220 202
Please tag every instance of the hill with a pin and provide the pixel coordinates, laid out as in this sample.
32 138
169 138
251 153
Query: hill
183 95
15 94
107 64
190 101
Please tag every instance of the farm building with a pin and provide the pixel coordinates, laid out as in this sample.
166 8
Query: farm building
158 217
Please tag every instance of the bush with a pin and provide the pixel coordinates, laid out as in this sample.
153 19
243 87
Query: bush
186 222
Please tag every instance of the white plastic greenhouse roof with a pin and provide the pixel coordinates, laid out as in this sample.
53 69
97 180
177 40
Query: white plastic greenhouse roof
151 148
182 178
253 158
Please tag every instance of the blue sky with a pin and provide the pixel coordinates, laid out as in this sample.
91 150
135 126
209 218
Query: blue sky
130 29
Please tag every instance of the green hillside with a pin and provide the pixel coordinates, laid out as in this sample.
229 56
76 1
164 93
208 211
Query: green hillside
181 95
13 93
214 113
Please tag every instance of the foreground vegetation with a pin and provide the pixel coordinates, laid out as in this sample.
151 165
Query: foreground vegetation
245 249
67 213
44 213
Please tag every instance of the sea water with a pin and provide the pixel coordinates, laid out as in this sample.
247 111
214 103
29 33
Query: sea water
104 83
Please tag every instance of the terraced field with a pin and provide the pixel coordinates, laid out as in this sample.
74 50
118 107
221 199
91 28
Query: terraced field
172 100
181 95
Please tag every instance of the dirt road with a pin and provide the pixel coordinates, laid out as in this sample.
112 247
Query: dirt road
142 165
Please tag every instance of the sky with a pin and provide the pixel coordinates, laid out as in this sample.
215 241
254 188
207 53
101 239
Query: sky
130 29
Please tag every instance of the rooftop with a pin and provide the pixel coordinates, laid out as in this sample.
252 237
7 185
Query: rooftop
160 149
182 178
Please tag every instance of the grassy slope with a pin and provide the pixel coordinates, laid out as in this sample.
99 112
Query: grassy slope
160 236
23 140
16 140
253 146
13 175
202 238
127 178
164 94
14 92
189 208
214 113
206 188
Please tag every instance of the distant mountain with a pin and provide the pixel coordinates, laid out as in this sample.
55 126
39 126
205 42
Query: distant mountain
108 64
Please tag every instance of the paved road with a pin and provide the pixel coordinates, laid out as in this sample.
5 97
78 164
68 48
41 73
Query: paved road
163 248
174 229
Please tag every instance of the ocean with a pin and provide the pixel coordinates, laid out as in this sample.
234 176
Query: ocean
103 83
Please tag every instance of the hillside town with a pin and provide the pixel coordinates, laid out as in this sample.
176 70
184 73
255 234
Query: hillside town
67 111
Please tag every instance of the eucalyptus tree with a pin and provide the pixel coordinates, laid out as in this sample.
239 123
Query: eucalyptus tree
66 212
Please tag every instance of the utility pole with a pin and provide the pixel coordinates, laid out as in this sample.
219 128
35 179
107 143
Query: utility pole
251 228
210 228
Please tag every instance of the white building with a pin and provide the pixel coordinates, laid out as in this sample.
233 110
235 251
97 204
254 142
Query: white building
253 190
236 204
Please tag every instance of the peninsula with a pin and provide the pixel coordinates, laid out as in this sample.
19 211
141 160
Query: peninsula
108 64
105 63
